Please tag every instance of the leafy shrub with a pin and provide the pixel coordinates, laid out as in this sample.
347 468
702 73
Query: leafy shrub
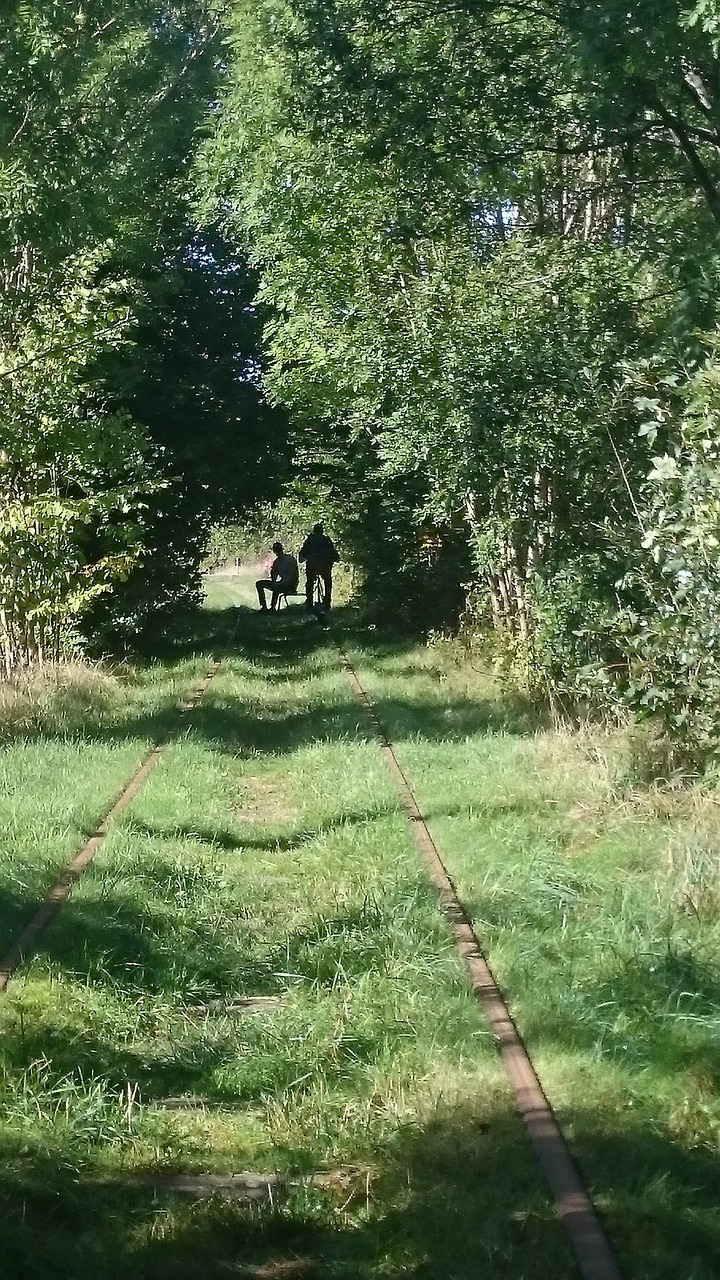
672 641
575 657
571 659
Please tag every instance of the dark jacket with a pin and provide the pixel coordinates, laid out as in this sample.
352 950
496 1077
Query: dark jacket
318 548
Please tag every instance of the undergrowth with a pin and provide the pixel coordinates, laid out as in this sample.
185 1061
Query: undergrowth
266 857
267 860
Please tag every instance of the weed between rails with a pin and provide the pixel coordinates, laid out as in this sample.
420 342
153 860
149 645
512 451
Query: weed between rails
599 909
265 856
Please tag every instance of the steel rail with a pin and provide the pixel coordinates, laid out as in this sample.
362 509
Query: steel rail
573 1205
25 944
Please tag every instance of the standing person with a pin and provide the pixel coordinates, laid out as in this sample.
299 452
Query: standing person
284 578
319 554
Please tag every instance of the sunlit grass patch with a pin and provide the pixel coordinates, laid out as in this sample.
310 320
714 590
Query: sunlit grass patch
372 1058
598 905
61 771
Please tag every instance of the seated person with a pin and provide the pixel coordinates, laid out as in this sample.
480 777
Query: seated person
283 580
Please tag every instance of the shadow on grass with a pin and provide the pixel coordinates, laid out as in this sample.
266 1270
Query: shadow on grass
141 947
458 1197
228 724
650 1010
18 904
278 647
259 834
132 944
654 1012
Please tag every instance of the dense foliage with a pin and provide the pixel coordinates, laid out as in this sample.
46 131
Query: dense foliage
483 243
130 414
96 117
192 380
489 236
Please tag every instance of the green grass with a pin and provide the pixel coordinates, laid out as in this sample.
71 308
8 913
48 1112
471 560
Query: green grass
267 856
70 740
64 762
600 912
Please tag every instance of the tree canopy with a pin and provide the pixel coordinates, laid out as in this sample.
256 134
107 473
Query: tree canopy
488 235
454 268
128 349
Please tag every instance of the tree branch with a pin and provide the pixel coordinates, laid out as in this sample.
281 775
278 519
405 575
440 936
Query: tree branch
692 155
60 347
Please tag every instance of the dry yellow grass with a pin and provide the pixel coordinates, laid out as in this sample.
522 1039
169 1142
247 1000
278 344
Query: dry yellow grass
55 693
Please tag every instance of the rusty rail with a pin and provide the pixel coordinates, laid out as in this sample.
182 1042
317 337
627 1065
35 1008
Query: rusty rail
25 944
572 1200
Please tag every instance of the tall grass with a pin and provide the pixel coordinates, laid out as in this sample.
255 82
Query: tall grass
267 855
598 904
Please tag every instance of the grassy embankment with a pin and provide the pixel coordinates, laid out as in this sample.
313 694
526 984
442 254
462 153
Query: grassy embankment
267 856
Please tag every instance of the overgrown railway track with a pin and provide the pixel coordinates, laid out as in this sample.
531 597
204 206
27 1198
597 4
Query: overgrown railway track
572 1201
573 1204
25 943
